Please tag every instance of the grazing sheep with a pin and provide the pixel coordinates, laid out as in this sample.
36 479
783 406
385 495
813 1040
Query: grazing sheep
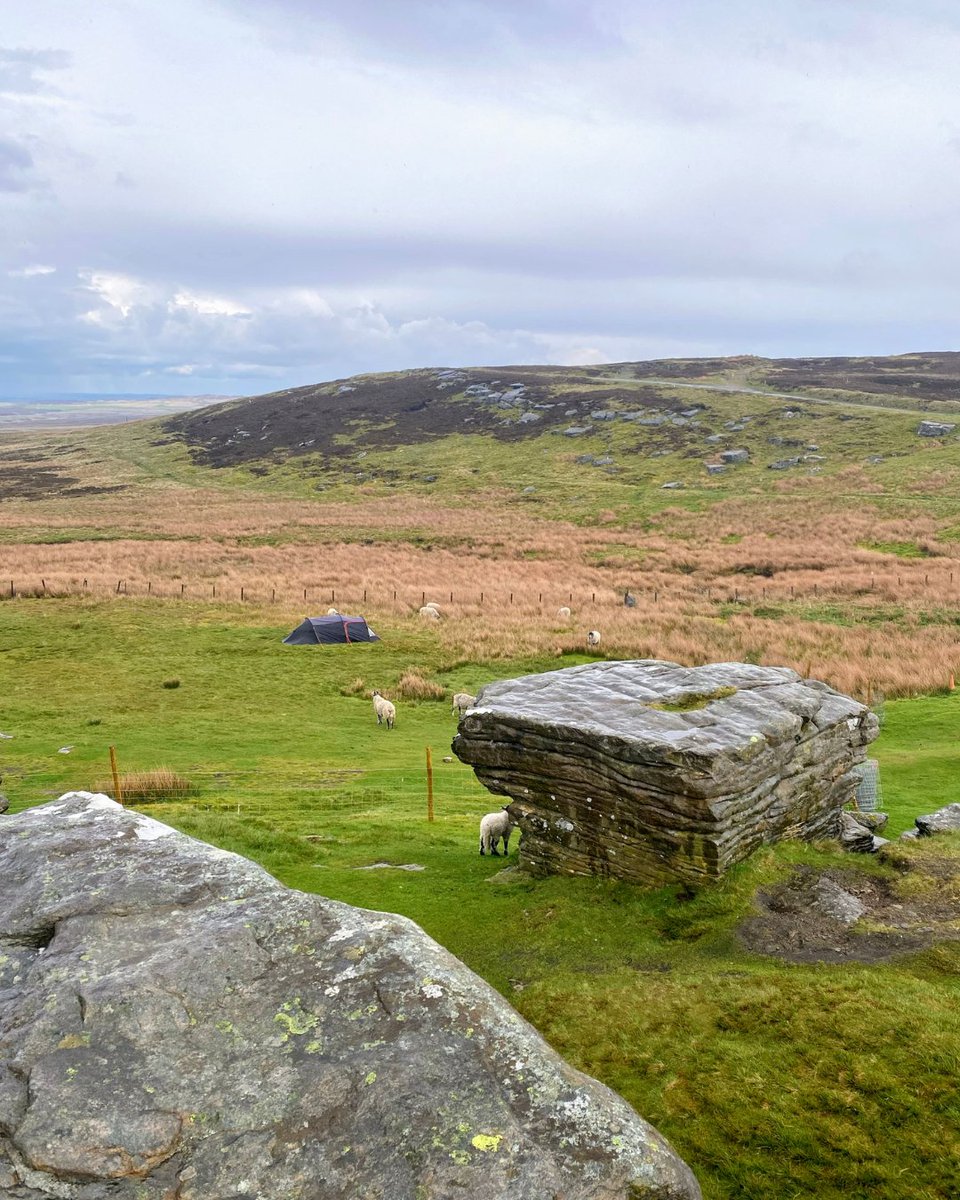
430 612
386 712
563 613
333 612
593 637
493 827
461 702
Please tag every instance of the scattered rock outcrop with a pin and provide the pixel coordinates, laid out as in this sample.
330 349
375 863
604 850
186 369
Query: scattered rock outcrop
935 429
176 1023
652 772
944 820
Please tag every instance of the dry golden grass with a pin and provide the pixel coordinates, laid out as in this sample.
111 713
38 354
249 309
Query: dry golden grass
150 787
785 578
412 686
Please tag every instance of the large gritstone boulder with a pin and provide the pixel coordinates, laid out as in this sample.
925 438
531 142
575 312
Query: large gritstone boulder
653 772
177 1025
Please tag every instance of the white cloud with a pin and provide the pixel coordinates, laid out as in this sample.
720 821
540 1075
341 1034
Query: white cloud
31 272
213 306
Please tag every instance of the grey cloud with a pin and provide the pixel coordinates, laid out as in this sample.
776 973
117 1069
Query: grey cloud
21 70
438 33
15 162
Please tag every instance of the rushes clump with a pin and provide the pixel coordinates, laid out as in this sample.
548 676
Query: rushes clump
152 787
413 686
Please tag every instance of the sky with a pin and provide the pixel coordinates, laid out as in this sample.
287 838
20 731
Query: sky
235 196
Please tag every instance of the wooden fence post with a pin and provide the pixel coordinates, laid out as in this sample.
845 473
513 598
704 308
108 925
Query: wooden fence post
117 793
429 785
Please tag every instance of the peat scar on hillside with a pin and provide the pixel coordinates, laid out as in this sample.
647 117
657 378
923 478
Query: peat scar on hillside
38 483
845 915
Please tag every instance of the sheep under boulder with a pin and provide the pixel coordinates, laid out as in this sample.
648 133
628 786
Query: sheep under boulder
653 772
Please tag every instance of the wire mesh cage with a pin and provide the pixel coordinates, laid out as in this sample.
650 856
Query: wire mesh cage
869 791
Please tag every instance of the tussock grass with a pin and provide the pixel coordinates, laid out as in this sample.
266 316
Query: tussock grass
412 686
154 786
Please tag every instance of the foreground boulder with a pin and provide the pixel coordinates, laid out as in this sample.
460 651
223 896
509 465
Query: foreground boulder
177 1025
652 772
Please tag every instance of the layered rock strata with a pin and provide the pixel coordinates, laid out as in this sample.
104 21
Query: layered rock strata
652 772
177 1025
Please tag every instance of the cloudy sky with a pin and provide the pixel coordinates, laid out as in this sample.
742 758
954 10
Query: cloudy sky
233 196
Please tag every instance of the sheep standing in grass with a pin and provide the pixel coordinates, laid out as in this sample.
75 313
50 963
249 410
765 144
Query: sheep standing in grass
593 638
386 712
461 702
430 613
333 612
563 613
493 827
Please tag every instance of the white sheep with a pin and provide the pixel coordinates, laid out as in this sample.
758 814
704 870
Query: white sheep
461 702
493 827
563 613
386 712
593 637
430 612
333 612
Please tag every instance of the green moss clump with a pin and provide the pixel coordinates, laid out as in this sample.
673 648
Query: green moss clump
688 701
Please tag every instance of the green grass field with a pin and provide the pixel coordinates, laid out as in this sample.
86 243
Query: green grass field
772 1080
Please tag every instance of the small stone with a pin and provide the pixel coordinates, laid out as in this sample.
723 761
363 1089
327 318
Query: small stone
854 837
735 456
674 483
942 821
935 428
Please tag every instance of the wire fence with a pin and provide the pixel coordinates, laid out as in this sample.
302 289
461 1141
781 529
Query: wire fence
449 787
888 586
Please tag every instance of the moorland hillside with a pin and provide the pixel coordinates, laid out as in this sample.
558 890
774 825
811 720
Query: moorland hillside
803 512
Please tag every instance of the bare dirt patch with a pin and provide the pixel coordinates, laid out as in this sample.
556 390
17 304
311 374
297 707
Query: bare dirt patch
808 917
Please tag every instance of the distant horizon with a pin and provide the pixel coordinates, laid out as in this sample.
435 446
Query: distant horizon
68 395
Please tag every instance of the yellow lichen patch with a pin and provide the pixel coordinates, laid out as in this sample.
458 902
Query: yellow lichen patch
486 1142
371 1078
73 1040
295 1019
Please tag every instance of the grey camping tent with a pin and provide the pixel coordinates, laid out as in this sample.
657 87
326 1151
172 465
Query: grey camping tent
332 630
